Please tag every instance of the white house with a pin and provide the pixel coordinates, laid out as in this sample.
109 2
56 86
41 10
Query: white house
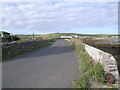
66 37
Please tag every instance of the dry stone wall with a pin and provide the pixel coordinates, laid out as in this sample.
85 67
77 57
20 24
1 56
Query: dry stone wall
13 49
106 59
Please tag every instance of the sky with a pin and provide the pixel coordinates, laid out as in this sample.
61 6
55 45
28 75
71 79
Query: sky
61 17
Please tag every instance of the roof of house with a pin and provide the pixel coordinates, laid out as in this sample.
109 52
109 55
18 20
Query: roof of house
4 32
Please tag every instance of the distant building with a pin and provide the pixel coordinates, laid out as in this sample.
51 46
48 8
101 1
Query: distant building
4 36
66 37
87 37
115 36
75 36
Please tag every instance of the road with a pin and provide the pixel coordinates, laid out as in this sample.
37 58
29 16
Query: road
55 66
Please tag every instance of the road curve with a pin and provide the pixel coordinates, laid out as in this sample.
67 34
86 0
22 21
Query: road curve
55 66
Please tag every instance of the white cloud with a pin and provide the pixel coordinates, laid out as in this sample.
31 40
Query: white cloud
49 17
59 0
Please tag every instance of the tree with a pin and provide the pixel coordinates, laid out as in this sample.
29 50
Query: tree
14 38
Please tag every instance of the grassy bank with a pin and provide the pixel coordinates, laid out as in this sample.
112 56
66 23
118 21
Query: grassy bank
88 69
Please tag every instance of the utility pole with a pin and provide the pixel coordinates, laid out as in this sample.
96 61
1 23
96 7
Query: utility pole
33 35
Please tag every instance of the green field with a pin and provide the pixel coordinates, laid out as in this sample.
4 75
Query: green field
57 35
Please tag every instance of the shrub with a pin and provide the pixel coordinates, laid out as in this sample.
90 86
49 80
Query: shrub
14 38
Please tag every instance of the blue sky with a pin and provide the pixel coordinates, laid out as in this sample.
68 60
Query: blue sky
50 17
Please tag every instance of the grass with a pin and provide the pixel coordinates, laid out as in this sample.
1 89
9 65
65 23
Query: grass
58 35
88 69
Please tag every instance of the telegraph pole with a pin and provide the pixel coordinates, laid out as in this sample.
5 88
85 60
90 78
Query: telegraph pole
33 35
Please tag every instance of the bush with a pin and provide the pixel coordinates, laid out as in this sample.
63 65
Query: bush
14 38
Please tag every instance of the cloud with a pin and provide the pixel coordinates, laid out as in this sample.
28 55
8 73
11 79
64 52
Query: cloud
57 17
59 0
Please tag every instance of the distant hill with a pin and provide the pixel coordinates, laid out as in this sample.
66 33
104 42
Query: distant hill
57 35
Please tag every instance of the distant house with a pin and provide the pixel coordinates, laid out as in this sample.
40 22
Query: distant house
75 36
87 37
115 36
66 37
4 36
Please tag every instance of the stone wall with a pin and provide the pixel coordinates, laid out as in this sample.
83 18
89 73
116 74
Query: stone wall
13 49
106 59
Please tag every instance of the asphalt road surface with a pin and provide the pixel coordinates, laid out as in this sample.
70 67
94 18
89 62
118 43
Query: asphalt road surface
55 66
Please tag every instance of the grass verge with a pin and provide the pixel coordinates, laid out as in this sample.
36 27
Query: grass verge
88 69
